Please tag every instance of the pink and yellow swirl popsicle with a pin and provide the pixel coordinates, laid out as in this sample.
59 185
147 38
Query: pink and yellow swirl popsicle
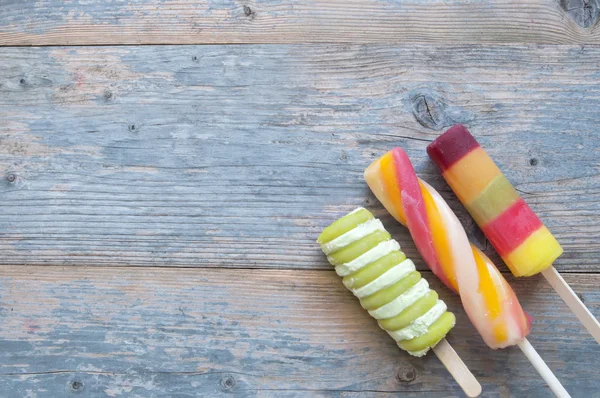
489 301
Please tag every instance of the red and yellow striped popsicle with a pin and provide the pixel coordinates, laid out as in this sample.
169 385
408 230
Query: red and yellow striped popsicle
489 301
518 235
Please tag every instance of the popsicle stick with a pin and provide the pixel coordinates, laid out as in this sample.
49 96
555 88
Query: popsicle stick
543 369
573 302
457 368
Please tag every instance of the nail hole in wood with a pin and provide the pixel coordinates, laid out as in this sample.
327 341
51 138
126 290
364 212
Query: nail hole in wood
107 94
131 127
581 297
228 382
195 58
406 374
22 81
11 177
533 162
76 386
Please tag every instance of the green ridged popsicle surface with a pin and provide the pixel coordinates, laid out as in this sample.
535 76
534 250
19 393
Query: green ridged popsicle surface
387 284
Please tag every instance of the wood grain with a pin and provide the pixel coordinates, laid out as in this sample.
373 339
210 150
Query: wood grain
237 156
211 332
212 169
54 22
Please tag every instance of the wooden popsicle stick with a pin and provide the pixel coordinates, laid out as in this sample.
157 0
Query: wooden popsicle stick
457 368
543 369
572 300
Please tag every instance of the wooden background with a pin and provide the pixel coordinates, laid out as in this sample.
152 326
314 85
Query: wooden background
167 166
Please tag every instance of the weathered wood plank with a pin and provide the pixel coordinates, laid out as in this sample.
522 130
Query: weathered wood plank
180 332
275 21
237 156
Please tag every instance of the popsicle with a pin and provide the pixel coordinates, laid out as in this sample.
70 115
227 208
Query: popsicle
388 286
515 231
488 299
518 235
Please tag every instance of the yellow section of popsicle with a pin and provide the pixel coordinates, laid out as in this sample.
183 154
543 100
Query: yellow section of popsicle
440 238
489 291
535 254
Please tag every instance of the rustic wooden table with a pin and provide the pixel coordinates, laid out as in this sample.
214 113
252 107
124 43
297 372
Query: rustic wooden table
161 196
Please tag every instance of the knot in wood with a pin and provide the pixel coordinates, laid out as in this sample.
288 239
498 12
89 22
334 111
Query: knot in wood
583 12
228 382
249 12
429 110
406 374
76 386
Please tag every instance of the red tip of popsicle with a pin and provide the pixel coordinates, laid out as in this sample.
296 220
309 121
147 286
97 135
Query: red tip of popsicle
451 146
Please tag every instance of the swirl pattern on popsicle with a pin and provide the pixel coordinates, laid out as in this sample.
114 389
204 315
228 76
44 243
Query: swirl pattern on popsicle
387 284
489 301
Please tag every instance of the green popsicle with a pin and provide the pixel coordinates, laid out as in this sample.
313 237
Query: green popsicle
389 293
358 248
376 291
414 311
435 333
372 271
344 224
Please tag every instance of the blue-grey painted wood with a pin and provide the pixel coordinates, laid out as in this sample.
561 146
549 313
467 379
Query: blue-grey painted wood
237 156
55 22
155 332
